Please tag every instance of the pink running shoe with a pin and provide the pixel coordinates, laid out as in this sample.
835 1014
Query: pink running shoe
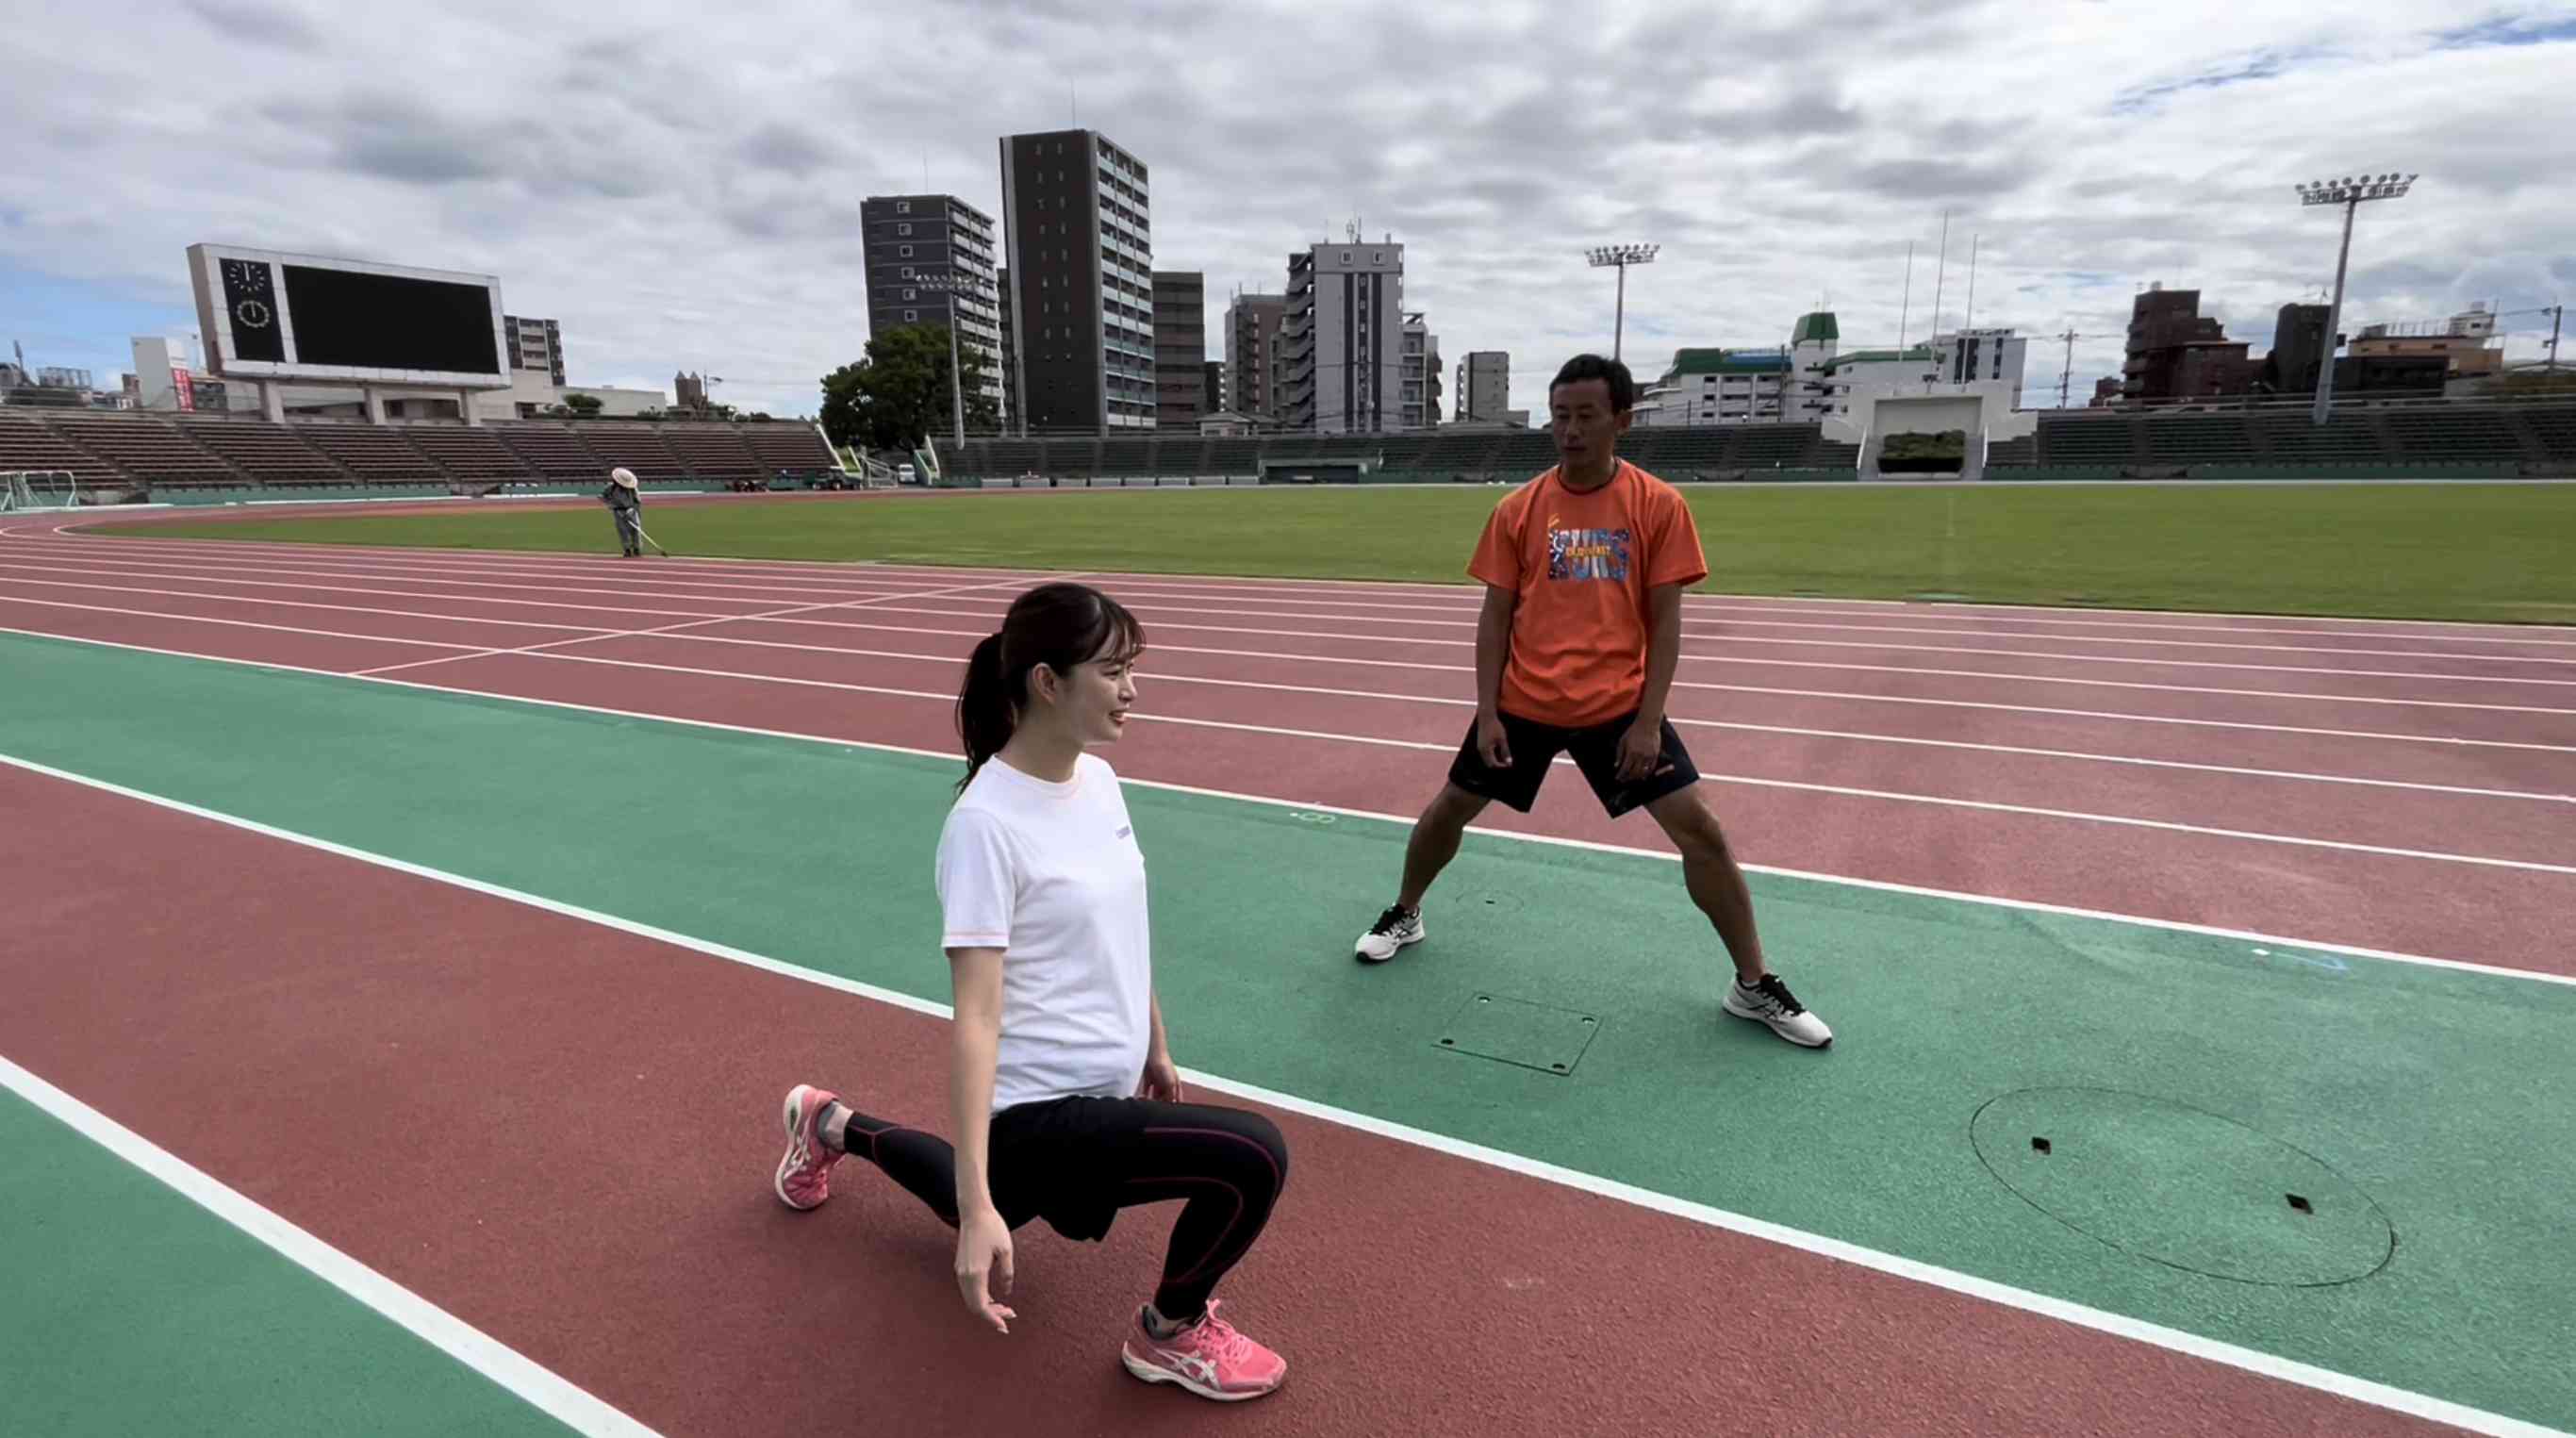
805 1174
1211 1358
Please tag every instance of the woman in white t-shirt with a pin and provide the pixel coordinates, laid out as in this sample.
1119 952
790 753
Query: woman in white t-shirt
1061 1087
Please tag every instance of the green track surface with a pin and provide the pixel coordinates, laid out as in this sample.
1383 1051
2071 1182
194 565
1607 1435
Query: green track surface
2449 551
2447 1098
126 1309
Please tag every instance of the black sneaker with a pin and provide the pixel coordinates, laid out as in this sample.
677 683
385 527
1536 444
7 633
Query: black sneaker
1394 929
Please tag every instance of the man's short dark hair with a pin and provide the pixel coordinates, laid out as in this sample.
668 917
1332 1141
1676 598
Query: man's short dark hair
1623 386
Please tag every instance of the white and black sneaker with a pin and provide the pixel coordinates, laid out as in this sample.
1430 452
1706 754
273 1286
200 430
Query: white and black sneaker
1394 929
1769 1001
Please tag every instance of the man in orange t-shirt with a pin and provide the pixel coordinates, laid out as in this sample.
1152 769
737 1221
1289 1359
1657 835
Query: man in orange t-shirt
1584 569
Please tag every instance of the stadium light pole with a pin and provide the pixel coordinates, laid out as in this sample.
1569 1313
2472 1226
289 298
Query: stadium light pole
1621 257
953 285
2349 193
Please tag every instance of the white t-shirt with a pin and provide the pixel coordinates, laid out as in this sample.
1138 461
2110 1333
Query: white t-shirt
1051 875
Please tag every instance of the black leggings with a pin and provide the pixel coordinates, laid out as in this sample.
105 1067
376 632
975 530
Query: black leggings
1076 1161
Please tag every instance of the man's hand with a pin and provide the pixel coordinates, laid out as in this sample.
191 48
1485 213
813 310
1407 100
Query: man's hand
984 1249
1641 750
1162 1079
1492 745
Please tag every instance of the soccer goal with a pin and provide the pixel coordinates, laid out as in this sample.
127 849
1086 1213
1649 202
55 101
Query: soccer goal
33 489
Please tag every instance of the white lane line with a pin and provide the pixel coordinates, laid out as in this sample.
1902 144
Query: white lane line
1895 1265
1740 726
179 576
1803 786
539 1387
674 630
1326 736
2293 695
1703 656
228 623
268 600
95 529
846 743
518 602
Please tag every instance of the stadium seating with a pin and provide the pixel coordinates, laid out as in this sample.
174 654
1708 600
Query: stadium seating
270 453
639 447
147 448
471 454
2090 437
375 453
2452 433
1123 456
27 444
716 452
2198 439
793 446
551 450
2348 436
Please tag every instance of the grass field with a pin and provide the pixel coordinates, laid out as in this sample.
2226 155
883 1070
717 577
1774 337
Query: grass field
2452 551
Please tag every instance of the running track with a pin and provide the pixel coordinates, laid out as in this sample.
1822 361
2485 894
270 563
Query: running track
2408 787
2408 792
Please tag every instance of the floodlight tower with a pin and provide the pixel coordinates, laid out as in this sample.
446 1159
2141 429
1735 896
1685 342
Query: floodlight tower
1621 256
954 285
2349 193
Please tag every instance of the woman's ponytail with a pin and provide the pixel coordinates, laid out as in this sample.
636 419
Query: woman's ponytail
1060 625
986 714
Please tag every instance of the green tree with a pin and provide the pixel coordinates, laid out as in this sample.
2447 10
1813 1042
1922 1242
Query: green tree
899 393
585 405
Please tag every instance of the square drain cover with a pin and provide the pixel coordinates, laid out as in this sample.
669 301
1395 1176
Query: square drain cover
1513 1031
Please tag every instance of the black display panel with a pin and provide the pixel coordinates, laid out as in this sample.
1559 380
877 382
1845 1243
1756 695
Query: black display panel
251 302
362 321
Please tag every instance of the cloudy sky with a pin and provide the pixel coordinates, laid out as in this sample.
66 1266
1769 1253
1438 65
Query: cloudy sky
680 184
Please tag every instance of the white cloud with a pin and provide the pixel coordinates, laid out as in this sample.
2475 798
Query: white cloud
680 186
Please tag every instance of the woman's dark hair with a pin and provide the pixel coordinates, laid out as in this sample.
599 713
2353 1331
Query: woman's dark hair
1058 625
1623 386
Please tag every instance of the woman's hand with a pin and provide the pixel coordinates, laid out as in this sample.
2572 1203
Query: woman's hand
984 1251
1162 1078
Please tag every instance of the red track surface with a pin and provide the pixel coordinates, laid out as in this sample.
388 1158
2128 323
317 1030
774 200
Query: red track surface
573 1156
2240 772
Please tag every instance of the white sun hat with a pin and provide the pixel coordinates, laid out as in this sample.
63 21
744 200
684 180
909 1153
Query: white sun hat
623 476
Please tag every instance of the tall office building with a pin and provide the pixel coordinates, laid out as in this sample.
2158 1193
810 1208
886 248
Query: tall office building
909 239
535 345
1080 248
1422 373
1252 325
1180 349
1343 343
1219 396
1484 385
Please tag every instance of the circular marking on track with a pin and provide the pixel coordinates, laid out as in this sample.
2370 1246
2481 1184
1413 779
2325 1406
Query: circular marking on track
2182 1187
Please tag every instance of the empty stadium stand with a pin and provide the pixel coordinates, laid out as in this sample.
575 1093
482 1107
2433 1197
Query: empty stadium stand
148 450
26 443
269 453
373 453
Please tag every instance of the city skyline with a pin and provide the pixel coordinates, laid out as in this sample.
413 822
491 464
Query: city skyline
682 205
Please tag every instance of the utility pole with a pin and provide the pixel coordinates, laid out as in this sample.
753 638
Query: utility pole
2068 373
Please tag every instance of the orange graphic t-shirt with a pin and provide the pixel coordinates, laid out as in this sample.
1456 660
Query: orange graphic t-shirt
1581 565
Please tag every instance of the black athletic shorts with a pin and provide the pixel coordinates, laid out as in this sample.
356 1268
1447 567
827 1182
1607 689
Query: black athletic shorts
1596 752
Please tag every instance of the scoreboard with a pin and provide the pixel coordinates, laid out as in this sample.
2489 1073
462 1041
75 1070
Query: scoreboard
269 315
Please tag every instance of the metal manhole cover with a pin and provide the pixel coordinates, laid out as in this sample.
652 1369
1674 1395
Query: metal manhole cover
1515 1031
2182 1186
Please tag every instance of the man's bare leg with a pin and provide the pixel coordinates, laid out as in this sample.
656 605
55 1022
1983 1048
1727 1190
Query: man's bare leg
1435 841
1715 881
1716 884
